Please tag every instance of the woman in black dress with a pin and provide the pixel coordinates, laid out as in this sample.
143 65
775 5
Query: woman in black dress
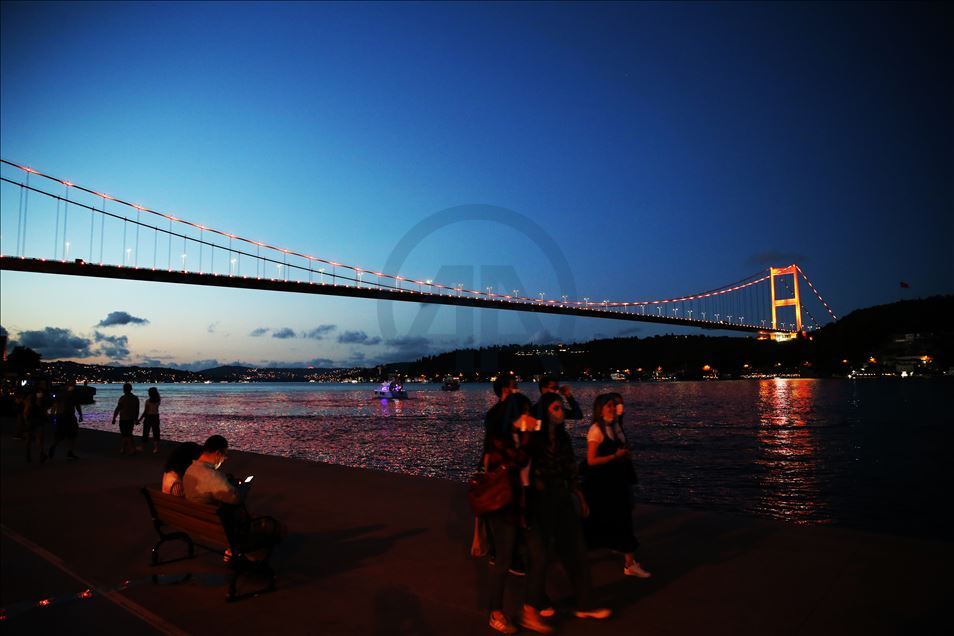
608 486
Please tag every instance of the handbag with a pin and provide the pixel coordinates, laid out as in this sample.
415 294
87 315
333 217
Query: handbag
491 491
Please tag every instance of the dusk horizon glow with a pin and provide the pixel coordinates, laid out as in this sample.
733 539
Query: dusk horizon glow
663 149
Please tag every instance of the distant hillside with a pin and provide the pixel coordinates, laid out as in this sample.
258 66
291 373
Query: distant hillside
866 331
224 372
906 328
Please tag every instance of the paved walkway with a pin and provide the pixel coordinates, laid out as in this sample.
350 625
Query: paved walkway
377 553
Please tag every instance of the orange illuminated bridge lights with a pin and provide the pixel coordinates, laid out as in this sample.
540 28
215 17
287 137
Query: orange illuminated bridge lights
785 302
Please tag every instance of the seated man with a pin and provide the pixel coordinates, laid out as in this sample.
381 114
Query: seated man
204 483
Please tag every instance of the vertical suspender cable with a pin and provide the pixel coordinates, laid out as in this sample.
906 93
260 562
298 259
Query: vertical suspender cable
56 232
66 219
102 231
26 206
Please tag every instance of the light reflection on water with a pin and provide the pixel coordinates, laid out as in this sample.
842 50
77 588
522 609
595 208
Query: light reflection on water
809 451
789 462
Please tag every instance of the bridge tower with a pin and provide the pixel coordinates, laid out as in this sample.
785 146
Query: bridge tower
785 302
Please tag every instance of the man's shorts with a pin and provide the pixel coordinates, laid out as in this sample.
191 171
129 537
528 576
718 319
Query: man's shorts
126 427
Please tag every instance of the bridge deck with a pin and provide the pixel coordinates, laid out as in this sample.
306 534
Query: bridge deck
79 268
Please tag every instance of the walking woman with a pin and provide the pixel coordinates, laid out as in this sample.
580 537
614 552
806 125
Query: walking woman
609 484
555 504
150 419
505 446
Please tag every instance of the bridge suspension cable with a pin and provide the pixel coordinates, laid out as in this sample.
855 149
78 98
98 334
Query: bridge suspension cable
736 305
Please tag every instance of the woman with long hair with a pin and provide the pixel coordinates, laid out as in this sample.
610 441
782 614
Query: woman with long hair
555 504
178 463
608 485
150 419
505 449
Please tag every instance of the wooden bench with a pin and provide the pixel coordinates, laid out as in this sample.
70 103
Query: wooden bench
213 529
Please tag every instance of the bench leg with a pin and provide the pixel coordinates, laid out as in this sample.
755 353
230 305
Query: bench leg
258 569
175 536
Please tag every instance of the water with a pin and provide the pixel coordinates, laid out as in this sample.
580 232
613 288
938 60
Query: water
866 454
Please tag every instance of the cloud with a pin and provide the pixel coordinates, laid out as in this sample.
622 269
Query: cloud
775 258
358 337
319 332
53 343
199 365
284 333
212 327
121 318
113 347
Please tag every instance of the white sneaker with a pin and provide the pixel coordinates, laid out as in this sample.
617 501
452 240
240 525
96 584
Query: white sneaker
502 624
636 570
599 613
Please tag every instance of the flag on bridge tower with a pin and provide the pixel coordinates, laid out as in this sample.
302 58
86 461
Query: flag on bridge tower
904 285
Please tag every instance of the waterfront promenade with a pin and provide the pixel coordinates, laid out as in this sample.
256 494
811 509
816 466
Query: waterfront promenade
377 553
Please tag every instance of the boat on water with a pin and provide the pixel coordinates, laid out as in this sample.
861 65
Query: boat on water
391 391
85 393
450 384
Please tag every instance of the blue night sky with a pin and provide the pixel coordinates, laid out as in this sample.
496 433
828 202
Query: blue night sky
666 148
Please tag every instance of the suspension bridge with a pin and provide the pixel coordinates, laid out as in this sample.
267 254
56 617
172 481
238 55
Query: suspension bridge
65 228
